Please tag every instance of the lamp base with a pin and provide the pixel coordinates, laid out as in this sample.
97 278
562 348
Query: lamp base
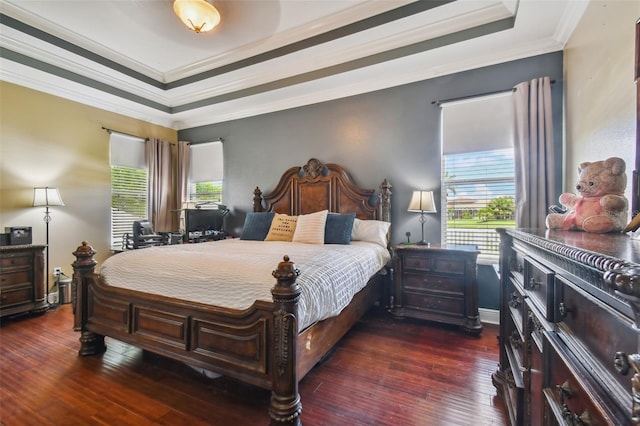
423 243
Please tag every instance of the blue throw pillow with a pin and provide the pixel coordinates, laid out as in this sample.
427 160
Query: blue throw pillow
256 226
337 229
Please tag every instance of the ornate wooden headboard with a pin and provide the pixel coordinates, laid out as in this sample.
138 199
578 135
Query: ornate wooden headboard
317 186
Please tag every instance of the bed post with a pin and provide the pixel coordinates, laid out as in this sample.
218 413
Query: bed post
257 200
285 404
83 268
385 201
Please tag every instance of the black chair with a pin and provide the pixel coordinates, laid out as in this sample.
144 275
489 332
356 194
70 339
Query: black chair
142 236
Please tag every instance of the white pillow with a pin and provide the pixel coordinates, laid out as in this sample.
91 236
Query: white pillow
310 228
374 231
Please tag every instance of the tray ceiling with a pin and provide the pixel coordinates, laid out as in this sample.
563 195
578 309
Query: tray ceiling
136 57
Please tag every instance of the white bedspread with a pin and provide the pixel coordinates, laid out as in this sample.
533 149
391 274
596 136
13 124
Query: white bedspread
234 273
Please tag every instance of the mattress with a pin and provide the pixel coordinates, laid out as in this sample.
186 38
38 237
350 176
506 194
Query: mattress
235 273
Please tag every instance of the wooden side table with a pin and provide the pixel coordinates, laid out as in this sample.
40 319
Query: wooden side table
437 283
22 286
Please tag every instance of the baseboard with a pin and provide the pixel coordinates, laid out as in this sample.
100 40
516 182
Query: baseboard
489 316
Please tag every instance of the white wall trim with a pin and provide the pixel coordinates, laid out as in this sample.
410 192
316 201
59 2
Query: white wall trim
489 316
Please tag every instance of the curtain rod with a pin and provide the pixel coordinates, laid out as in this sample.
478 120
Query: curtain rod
462 98
207 141
122 133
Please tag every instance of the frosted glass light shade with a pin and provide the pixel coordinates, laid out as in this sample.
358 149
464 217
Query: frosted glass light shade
46 197
198 15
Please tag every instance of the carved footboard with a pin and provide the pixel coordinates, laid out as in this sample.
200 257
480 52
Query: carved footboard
257 345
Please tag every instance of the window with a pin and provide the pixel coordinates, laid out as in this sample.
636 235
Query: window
205 174
478 172
129 185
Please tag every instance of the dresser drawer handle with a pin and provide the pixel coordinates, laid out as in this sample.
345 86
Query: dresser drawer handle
621 363
515 300
564 391
533 284
563 310
515 339
624 363
572 419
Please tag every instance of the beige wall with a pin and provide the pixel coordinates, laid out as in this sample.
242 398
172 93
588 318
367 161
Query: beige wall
50 141
599 87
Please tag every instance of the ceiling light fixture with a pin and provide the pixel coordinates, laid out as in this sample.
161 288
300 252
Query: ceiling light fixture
198 15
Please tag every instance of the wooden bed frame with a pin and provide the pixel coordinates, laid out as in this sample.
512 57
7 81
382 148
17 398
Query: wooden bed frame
261 345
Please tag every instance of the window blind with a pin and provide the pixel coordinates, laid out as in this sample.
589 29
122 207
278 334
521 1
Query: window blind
129 184
207 162
478 171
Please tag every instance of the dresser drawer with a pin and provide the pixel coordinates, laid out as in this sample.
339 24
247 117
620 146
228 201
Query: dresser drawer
435 283
436 263
442 305
567 400
514 339
16 295
538 282
13 278
516 303
15 259
596 328
516 265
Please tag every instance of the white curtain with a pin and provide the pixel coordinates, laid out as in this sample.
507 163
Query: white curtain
161 201
534 152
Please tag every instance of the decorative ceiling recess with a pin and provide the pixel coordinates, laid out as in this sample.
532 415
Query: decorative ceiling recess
139 59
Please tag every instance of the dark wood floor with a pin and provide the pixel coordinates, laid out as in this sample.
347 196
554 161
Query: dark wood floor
384 372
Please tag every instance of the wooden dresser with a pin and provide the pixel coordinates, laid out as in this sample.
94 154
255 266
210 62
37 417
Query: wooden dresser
22 279
569 342
437 283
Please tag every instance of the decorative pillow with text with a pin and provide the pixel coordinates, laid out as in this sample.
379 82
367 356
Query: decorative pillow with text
282 228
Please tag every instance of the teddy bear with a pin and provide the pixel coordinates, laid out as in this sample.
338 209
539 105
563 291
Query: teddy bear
601 205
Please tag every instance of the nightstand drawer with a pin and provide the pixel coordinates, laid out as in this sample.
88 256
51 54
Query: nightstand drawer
12 260
22 285
436 283
13 278
444 264
447 306
16 295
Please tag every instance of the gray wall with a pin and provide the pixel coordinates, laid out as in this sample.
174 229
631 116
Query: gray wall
392 133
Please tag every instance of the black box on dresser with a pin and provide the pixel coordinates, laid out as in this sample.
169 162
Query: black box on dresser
569 340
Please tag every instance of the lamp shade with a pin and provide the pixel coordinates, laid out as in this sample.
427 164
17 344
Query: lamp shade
46 197
198 15
422 202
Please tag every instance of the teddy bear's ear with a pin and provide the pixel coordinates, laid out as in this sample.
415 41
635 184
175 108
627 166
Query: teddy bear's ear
582 166
617 165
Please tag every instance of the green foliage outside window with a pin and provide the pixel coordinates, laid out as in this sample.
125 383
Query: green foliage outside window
206 191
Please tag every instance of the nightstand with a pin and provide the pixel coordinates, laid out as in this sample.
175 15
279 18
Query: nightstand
437 283
22 286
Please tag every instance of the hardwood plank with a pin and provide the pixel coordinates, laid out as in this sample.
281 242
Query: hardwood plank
383 372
